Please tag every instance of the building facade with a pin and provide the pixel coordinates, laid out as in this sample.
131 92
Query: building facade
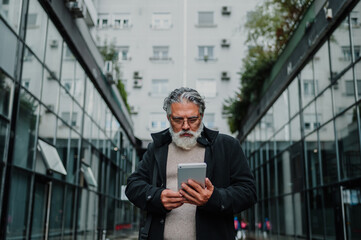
165 45
66 140
303 139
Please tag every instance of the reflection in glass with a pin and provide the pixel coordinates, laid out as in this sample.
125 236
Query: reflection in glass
280 110
332 201
313 161
32 74
39 210
53 51
3 140
316 213
328 153
348 144
357 69
6 92
282 139
79 82
76 117
73 157
284 173
308 85
65 107
340 48
89 98
10 10
321 68
50 92
286 216
293 91
62 138
18 208
56 211
355 17
295 129
88 175
324 107
69 213
8 46
310 122
25 131
352 206
296 168
47 124
344 92
36 28
300 214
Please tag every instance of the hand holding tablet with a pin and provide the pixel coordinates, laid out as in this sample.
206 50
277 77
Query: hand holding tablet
194 171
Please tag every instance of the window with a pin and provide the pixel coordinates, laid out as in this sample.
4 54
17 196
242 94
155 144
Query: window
158 121
205 52
309 87
206 87
161 21
51 157
88 175
122 21
32 19
209 120
123 53
346 51
350 89
159 87
160 53
66 117
205 19
103 20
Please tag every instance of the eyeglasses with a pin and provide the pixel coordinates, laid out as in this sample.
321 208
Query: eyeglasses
180 121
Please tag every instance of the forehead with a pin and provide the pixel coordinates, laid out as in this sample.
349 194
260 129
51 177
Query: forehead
184 109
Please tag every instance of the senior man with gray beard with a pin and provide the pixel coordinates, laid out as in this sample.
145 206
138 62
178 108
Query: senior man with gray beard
193 212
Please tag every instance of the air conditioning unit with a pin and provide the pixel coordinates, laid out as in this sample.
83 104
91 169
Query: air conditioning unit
226 10
54 43
134 109
137 75
138 83
50 108
76 8
225 43
225 76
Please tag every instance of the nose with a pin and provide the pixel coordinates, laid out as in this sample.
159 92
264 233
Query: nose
185 126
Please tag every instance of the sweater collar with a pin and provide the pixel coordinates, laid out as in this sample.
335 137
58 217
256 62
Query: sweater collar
207 137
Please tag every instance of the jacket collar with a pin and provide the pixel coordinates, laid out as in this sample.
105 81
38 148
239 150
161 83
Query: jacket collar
207 137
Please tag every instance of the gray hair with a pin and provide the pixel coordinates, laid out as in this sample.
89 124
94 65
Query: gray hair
183 93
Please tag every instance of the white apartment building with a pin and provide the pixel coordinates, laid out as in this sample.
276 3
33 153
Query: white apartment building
164 45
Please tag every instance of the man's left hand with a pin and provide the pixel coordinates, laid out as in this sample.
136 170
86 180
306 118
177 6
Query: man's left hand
195 194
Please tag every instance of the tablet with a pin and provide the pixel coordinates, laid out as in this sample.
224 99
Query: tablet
195 171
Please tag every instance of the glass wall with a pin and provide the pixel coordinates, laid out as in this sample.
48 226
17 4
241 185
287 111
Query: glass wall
56 104
305 151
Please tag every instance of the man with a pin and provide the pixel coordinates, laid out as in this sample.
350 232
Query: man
193 212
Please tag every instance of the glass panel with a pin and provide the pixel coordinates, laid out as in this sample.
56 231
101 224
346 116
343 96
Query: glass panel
39 210
56 211
47 125
295 129
73 157
92 219
25 131
300 215
76 117
53 51
308 85
50 92
280 109
322 68
79 84
3 141
10 10
344 92
87 128
358 79
324 107
309 118
272 178
88 175
348 143
18 205
8 49
31 78
313 162
282 139
65 106
331 196
89 98
328 153
284 173
316 214
294 97
6 92
286 217
340 48
274 215
69 213
36 28
296 168
68 69
355 18
62 139
352 208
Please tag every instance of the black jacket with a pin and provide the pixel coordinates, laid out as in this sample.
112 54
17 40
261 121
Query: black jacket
227 169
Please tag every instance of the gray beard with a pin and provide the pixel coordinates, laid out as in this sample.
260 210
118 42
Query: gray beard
186 143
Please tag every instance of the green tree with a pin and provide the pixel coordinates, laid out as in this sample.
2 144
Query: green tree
110 53
268 27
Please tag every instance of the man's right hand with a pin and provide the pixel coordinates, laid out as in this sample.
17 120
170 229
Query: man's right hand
171 199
